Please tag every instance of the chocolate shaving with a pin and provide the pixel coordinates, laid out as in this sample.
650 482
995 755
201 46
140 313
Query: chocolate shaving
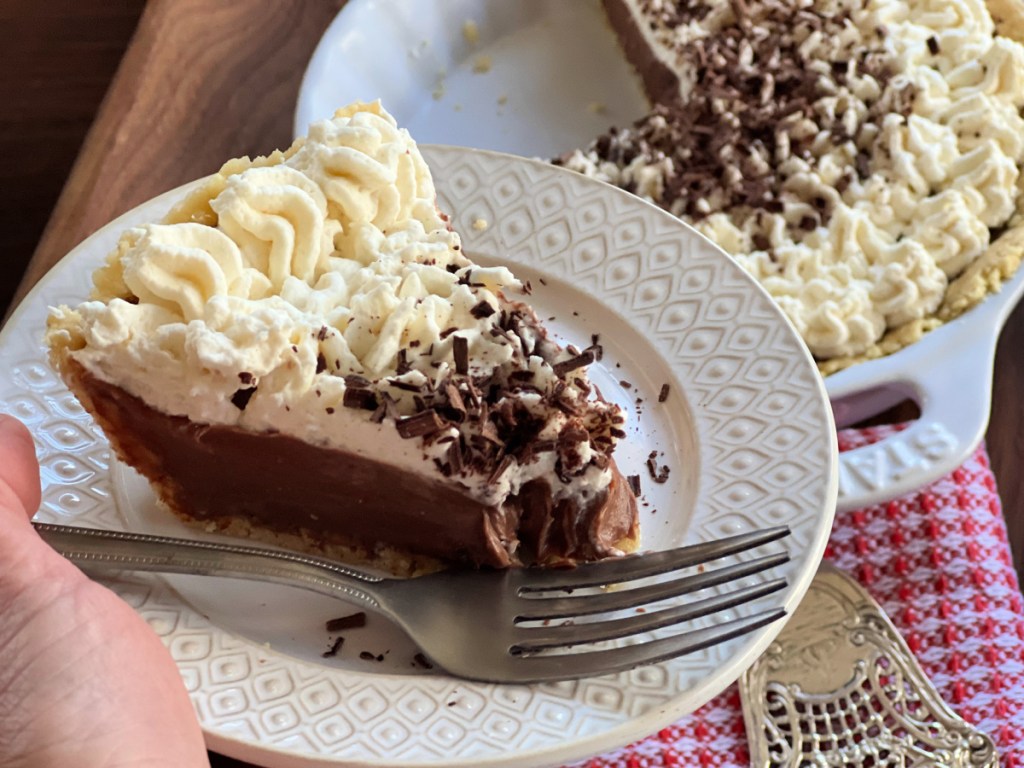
658 474
421 661
473 394
351 621
455 401
567 406
583 359
359 398
573 434
246 378
242 397
387 407
489 432
454 456
322 333
424 423
482 310
335 647
460 350
355 380
652 466
634 484
863 164
321 363
402 367
663 394
503 465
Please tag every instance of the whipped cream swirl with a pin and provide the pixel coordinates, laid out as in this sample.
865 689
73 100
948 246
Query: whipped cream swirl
857 202
329 300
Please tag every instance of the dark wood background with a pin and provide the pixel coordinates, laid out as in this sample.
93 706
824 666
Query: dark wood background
60 57
106 103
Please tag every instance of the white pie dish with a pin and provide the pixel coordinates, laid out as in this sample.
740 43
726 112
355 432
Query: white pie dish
948 373
749 437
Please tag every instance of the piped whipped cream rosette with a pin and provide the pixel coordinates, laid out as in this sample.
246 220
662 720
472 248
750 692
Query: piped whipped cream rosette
318 296
858 157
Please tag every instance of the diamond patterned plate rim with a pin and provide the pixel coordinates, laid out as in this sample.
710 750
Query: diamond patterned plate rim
753 396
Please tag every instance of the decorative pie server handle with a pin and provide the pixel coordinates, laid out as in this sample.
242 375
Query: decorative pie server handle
840 684
104 551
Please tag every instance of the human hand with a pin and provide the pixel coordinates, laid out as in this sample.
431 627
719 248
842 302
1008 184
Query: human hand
84 681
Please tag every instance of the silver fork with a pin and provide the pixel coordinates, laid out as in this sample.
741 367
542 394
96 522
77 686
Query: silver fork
515 625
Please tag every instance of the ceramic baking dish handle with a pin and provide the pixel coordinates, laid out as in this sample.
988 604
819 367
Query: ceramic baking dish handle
948 374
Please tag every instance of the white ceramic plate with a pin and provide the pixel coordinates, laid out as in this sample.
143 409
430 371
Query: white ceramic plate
554 61
746 430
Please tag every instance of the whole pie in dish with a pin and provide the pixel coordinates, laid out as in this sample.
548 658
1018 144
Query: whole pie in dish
861 158
302 351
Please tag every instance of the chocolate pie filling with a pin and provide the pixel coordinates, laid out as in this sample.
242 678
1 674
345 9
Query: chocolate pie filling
218 472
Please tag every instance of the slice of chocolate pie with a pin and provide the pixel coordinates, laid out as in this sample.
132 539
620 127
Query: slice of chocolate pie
302 348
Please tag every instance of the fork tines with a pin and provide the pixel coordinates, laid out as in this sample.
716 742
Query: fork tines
622 658
544 596
634 567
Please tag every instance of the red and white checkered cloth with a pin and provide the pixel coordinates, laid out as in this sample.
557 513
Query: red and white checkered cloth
939 563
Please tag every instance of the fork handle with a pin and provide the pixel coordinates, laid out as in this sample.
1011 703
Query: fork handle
102 551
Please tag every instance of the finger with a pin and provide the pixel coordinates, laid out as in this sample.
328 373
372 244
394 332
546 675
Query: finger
19 470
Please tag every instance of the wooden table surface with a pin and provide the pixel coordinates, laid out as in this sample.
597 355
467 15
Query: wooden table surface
206 80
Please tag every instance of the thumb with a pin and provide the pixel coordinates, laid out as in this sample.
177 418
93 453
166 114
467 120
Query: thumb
19 470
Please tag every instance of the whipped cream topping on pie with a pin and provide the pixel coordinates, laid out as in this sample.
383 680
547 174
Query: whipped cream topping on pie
320 294
853 155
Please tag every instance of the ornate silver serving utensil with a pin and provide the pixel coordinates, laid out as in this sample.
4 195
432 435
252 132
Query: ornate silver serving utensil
840 687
